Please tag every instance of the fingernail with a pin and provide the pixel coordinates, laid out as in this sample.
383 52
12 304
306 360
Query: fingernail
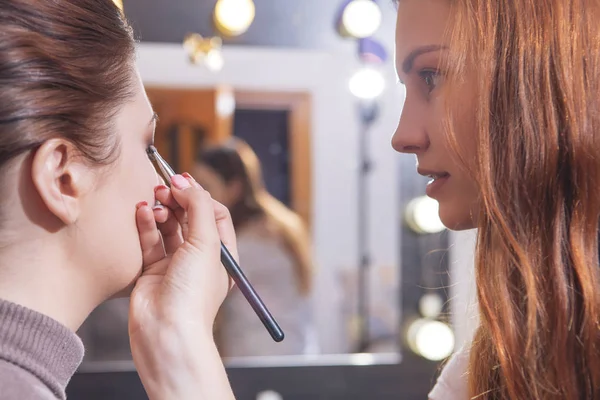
180 182
158 207
191 178
141 204
160 187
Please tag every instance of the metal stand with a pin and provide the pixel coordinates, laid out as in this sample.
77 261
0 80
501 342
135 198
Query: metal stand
368 114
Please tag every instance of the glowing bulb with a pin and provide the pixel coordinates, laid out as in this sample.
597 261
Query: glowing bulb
204 51
430 305
422 215
190 42
234 17
214 60
361 18
367 84
433 340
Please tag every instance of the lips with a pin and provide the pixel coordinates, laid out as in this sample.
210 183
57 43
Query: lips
433 174
438 176
438 179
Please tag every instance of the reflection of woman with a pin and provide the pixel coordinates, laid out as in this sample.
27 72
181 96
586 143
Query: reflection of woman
76 223
274 251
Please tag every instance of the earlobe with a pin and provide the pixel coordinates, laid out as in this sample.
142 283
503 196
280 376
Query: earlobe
57 176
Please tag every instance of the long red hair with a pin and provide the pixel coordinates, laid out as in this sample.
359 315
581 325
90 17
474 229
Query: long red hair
536 64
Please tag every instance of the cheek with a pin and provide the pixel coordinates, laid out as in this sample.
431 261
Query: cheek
140 181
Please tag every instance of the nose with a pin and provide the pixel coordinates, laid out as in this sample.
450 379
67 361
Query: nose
411 134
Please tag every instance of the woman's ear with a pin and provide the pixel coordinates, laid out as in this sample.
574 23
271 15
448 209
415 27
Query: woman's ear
59 175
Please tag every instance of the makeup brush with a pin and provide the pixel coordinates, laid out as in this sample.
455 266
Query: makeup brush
232 267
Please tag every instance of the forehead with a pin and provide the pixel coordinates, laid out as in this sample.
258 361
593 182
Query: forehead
420 23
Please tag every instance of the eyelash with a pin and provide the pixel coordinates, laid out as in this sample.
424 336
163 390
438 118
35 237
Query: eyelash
429 74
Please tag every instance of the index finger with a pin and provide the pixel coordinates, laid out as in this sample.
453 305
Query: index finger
202 230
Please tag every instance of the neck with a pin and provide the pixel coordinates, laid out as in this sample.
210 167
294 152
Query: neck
39 276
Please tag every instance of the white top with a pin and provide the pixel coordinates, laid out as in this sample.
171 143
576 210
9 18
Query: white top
271 270
452 383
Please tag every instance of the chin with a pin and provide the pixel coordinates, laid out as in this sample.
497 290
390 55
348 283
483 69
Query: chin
456 219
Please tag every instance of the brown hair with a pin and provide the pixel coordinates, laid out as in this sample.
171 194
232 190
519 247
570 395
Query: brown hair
235 160
536 68
65 67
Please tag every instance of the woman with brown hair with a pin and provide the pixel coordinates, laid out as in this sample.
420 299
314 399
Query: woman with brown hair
274 248
502 112
76 222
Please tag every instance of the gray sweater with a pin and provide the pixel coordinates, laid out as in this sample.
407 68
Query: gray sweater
38 355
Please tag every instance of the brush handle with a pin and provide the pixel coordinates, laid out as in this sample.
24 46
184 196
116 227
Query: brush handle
236 273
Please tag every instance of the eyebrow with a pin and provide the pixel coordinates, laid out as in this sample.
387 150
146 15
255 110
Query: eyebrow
408 62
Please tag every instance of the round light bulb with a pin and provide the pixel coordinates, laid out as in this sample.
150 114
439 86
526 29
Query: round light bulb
431 305
234 17
432 340
367 84
214 60
361 18
422 215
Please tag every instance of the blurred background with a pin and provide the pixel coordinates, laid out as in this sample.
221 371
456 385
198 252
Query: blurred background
284 111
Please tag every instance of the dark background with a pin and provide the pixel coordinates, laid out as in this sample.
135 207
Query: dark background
307 24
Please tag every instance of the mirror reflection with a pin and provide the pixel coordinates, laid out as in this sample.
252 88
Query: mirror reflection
332 227
274 245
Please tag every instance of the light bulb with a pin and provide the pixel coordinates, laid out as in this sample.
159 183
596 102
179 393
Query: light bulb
422 215
191 44
367 84
432 340
214 60
205 51
361 18
234 17
431 305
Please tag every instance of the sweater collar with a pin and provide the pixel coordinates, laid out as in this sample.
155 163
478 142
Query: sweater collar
40 345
